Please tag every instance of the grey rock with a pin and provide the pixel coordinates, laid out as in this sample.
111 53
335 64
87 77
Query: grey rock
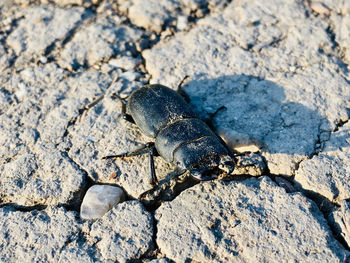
99 199
62 3
109 36
341 27
129 75
124 233
127 63
6 57
44 177
36 236
37 125
42 27
328 172
65 104
249 164
340 6
320 8
161 260
79 251
340 220
246 221
152 15
182 23
254 61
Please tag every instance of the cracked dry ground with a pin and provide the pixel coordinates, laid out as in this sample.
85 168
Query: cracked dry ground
279 67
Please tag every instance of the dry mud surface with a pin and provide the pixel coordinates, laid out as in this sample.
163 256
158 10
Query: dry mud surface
281 69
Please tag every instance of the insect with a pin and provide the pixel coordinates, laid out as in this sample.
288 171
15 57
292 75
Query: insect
179 135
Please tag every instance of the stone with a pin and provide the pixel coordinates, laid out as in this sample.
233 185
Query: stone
110 38
124 233
42 27
244 221
151 14
320 8
39 170
126 63
99 199
341 29
328 173
35 236
129 75
340 220
264 99
182 23
44 177
339 7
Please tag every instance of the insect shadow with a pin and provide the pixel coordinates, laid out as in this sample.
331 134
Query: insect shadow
259 112
256 112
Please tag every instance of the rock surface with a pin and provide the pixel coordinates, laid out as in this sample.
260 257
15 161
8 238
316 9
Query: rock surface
248 71
124 233
99 199
43 27
328 173
281 69
340 220
37 235
250 221
109 36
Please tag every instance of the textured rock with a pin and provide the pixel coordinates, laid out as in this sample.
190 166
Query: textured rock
254 60
109 36
340 6
99 199
127 63
279 67
341 27
340 220
37 168
36 236
328 173
152 14
47 176
247 221
124 233
42 27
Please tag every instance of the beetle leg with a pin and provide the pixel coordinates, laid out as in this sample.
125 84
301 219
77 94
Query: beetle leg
181 91
153 178
138 151
146 148
209 120
126 116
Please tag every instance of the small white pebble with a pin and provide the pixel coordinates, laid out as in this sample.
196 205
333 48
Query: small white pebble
292 68
182 23
126 63
90 139
130 76
99 199
320 8
22 91
43 60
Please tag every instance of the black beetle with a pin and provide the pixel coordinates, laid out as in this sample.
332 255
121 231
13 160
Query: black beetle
180 136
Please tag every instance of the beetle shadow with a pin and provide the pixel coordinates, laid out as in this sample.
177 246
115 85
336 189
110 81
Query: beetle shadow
259 113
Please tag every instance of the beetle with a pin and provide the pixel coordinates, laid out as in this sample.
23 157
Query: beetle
179 135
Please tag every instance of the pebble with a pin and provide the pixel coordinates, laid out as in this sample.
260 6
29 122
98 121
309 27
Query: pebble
130 76
320 8
99 199
182 23
126 63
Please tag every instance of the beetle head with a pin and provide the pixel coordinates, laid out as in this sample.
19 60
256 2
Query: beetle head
211 169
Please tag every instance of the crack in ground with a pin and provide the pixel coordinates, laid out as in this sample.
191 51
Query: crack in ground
88 13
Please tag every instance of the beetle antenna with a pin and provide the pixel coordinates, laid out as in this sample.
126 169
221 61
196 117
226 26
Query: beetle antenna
182 81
